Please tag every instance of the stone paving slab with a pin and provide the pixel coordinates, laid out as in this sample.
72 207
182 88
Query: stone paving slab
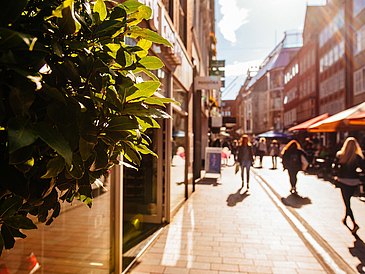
220 230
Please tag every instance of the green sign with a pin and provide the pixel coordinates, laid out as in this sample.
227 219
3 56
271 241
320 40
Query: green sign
216 72
217 63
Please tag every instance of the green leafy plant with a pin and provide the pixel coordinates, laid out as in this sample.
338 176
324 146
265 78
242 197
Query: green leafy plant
70 102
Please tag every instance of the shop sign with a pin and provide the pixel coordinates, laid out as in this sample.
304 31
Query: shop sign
207 82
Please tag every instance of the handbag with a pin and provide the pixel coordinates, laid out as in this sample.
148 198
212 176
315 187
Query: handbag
304 162
237 168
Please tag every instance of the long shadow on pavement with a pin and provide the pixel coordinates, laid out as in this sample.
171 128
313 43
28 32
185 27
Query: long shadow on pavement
296 201
235 198
358 250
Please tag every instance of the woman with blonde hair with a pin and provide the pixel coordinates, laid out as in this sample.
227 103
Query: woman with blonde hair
348 159
245 159
292 153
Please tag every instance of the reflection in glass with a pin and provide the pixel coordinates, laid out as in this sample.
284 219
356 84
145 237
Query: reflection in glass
78 241
178 160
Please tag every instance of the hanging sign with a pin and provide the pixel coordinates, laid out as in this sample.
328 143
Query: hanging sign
207 82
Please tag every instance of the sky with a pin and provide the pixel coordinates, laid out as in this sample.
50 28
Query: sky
248 30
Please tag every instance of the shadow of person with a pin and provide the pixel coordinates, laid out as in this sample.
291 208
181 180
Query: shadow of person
296 201
358 250
208 181
235 198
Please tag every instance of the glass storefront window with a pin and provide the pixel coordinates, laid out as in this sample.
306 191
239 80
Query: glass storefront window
140 186
78 241
179 95
178 158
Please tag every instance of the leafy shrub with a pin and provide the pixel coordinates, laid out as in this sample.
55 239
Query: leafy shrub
70 102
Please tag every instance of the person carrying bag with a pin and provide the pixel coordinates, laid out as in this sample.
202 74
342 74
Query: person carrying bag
347 161
292 161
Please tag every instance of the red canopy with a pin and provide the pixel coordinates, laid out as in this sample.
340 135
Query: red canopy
305 125
360 115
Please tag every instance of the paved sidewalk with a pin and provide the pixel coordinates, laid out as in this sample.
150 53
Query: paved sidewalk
222 230
320 206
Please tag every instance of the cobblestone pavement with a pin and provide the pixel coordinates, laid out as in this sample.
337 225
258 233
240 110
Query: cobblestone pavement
223 229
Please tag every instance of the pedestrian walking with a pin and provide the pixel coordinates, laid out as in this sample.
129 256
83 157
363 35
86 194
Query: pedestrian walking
347 160
235 149
291 155
245 159
261 149
274 152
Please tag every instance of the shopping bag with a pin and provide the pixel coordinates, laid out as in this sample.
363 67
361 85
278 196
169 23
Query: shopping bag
304 162
237 168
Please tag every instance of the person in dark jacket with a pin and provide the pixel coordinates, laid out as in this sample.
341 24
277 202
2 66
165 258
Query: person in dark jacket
245 159
347 160
291 155
274 152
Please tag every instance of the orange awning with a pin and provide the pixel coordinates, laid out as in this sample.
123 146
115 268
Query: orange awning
305 125
340 121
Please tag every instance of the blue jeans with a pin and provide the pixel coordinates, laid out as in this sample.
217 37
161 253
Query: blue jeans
247 165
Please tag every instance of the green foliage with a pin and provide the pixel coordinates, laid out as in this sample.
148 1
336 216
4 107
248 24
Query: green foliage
70 102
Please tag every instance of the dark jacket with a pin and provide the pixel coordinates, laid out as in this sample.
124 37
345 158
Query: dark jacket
241 153
348 170
287 158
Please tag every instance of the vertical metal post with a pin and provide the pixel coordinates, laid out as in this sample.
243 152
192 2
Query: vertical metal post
116 212
197 127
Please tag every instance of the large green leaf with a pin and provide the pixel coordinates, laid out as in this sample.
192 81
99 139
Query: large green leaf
143 12
118 12
108 28
136 32
100 8
19 222
9 240
145 45
54 139
20 133
145 150
54 167
68 24
10 206
86 195
21 98
147 122
62 114
132 5
85 149
124 58
16 40
145 90
151 62
122 123
10 11
101 157
53 93
8 234
147 112
76 169
20 155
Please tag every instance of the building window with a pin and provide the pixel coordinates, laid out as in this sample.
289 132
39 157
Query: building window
332 27
359 5
360 40
359 81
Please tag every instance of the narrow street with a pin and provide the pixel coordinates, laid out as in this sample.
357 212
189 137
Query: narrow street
221 229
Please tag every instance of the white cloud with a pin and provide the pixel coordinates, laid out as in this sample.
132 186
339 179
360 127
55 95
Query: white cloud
233 18
240 68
